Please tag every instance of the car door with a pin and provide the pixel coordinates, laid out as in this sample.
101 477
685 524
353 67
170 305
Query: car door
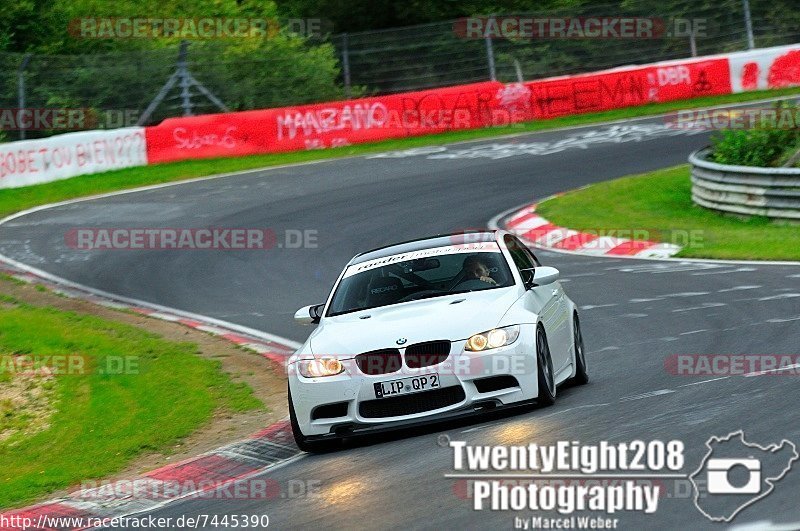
547 301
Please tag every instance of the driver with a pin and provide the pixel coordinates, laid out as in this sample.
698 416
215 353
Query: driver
476 269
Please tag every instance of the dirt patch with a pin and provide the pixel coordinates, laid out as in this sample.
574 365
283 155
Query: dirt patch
26 405
263 376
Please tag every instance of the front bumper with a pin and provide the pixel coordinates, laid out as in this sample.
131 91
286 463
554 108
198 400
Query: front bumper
464 389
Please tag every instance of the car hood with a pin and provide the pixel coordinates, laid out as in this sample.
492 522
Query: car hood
452 317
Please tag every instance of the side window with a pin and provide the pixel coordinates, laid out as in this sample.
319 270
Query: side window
522 257
533 256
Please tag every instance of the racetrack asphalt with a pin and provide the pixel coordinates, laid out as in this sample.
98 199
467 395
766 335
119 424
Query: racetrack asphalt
635 314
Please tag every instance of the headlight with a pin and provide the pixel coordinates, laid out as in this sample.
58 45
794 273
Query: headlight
321 367
494 338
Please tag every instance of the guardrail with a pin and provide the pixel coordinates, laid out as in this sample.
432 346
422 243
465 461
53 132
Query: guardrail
747 190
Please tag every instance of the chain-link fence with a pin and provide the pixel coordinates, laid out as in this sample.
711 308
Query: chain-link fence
260 75
433 55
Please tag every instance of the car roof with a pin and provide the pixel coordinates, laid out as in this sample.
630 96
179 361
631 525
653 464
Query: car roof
440 240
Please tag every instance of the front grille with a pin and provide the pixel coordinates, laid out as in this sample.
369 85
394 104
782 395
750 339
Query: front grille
426 354
397 406
380 361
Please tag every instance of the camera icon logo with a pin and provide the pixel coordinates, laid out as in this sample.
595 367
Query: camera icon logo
718 477
735 474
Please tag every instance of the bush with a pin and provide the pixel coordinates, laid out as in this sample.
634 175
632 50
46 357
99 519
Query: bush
767 145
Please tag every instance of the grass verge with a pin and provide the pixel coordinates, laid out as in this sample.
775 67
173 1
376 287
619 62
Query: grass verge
16 199
94 394
660 203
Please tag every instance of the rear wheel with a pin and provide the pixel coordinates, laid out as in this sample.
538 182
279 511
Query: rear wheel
546 376
302 441
581 375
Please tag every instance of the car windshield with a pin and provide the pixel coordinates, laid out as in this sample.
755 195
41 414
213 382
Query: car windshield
419 275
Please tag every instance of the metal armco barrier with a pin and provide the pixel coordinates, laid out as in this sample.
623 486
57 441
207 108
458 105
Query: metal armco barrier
770 192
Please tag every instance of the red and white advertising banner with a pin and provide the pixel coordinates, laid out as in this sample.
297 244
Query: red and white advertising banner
628 87
766 68
418 113
62 156
333 124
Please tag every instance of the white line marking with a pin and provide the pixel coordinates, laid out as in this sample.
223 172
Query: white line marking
693 332
705 381
593 306
737 288
779 369
705 306
728 271
647 395
781 296
783 320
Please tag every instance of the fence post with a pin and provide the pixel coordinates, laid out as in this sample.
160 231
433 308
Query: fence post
748 24
490 56
692 43
21 91
346 66
518 69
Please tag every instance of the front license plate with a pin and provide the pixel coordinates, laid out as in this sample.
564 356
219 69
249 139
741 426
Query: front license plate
405 386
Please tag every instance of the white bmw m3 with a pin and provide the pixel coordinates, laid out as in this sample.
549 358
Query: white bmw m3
431 329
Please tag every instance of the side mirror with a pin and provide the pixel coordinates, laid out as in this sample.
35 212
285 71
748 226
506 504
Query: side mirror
544 275
309 314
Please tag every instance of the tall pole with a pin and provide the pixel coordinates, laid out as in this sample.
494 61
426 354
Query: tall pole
346 66
748 24
21 92
490 57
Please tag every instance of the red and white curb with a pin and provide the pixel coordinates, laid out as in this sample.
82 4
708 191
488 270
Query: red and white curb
208 474
539 232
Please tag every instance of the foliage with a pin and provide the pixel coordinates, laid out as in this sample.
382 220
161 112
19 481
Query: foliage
127 73
765 146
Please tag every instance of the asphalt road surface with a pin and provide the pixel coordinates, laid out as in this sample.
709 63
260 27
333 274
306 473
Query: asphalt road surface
635 315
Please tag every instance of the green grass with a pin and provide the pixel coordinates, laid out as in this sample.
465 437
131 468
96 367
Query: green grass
660 202
15 199
102 419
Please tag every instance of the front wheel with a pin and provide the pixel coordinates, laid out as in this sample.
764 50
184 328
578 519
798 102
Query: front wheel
301 440
546 376
581 375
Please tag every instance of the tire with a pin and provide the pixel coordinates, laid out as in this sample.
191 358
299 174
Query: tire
302 441
544 370
581 374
